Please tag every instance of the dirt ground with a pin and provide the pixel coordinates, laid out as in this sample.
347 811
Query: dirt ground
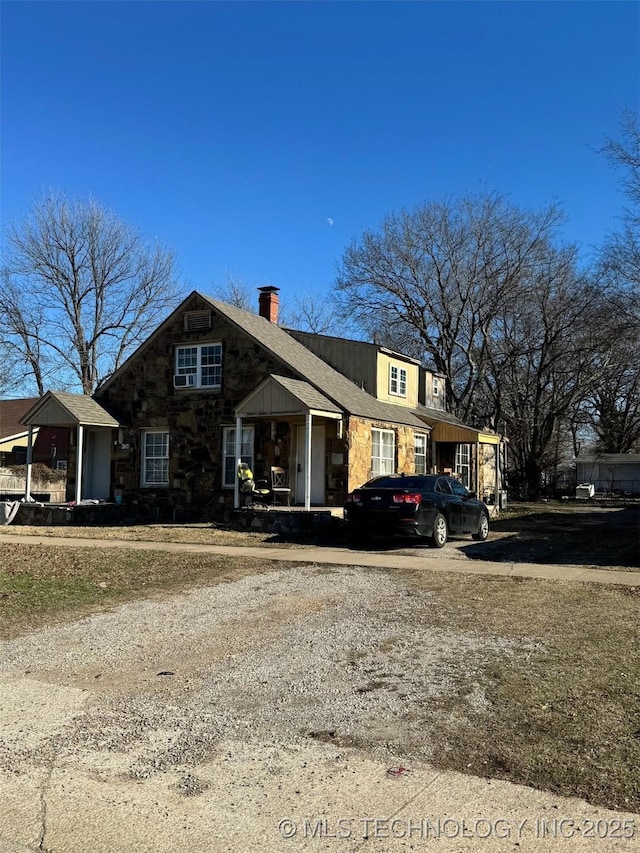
298 709
565 534
552 534
317 699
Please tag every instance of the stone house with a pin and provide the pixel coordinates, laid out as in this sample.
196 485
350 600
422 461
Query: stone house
214 384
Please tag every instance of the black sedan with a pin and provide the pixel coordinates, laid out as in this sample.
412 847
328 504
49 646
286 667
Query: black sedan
415 505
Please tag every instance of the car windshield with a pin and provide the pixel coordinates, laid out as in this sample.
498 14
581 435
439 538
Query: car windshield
418 483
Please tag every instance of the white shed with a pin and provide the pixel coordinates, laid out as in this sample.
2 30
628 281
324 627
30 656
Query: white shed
612 473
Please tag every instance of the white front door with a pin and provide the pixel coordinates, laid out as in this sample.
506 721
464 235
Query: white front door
317 464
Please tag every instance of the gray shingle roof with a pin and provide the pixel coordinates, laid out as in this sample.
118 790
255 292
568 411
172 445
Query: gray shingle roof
440 415
313 369
63 408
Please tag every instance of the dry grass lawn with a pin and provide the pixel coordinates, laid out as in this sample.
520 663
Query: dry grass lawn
562 714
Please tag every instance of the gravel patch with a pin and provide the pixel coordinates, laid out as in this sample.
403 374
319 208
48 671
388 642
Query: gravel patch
339 655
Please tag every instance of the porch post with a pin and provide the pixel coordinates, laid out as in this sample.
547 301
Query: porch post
498 476
79 462
477 486
27 486
238 452
307 462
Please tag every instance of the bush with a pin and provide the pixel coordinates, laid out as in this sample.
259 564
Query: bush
39 472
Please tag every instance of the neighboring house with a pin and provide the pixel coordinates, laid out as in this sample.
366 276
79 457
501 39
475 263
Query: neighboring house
613 473
214 384
50 444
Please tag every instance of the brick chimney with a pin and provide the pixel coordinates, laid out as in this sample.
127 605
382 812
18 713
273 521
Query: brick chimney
268 303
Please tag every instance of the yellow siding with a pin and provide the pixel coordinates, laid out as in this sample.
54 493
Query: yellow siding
382 383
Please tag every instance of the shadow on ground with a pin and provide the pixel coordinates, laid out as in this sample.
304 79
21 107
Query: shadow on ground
589 537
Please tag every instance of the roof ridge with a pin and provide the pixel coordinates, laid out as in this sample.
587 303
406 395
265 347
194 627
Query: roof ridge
318 373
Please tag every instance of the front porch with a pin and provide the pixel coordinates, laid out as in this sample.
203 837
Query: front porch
300 431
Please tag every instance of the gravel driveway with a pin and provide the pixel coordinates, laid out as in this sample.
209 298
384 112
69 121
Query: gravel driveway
199 721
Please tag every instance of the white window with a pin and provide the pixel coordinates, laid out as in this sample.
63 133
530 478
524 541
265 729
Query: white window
420 449
198 366
397 381
436 386
382 452
229 449
155 458
463 466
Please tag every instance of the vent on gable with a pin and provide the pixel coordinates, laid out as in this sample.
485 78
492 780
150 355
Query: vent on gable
194 320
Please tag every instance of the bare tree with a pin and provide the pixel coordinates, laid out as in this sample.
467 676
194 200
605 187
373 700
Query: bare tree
546 354
621 251
236 291
79 290
316 314
614 406
485 292
431 281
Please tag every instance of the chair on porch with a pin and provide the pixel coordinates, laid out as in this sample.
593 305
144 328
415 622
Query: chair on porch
255 493
280 485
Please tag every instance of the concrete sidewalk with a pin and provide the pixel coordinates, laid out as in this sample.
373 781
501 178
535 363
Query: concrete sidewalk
432 561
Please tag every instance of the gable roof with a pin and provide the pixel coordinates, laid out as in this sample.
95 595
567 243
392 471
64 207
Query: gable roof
281 395
58 408
313 369
309 367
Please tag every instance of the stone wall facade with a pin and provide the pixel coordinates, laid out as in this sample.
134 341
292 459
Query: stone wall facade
142 397
361 446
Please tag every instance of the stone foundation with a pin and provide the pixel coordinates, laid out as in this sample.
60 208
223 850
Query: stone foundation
314 524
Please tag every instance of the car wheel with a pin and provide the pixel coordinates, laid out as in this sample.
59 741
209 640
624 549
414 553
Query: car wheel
483 530
439 537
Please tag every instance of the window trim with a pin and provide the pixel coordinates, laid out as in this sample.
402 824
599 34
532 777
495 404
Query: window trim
376 470
188 371
144 458
397 383
417 455
245 457
463 463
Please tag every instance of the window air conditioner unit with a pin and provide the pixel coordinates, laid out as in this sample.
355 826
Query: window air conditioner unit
185 380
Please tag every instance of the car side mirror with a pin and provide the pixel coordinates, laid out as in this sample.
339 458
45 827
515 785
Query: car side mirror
472 495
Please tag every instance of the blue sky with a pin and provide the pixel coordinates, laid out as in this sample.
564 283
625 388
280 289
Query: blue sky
236 131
